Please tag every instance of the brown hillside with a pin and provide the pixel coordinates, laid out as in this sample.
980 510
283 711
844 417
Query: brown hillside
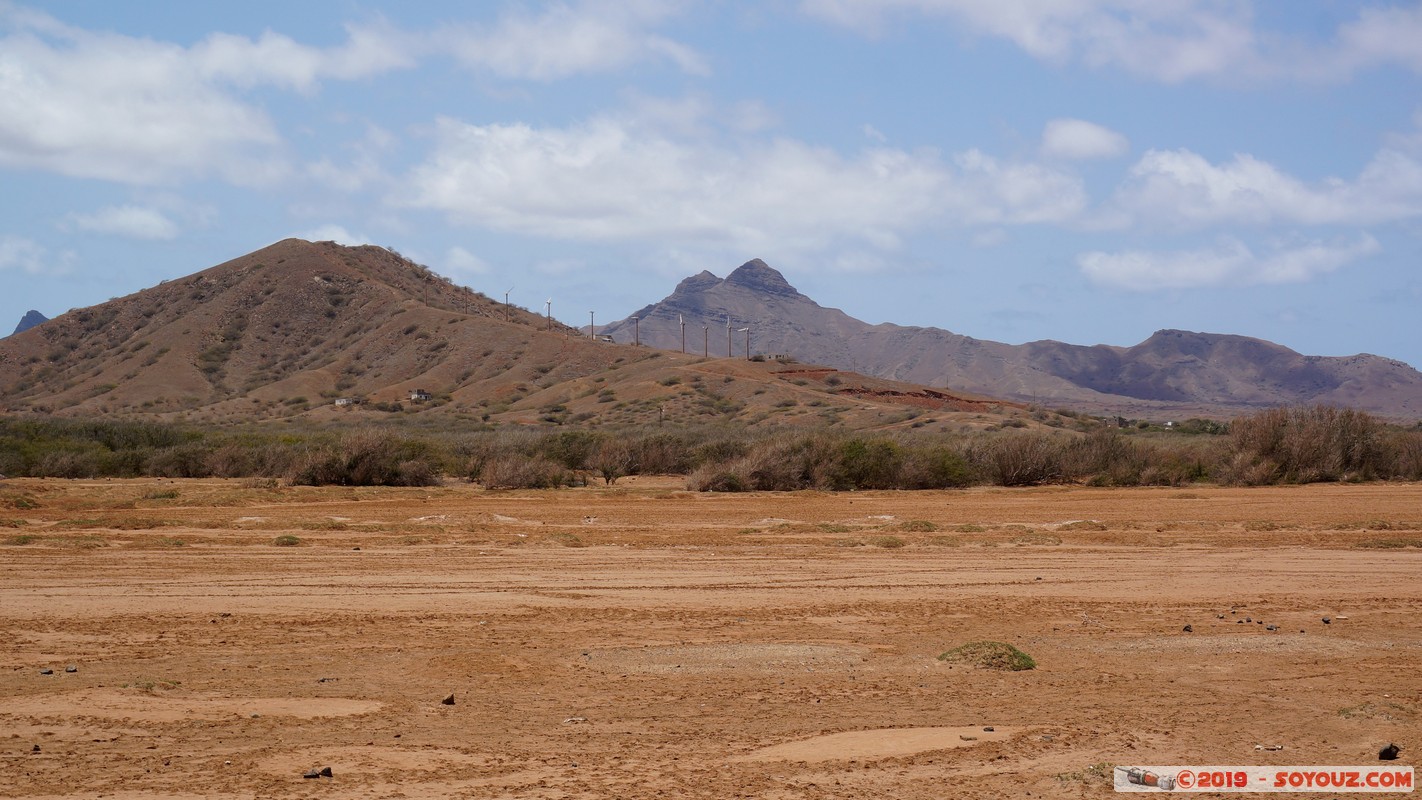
286 331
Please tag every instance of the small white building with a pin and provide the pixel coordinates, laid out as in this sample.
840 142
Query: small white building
420 396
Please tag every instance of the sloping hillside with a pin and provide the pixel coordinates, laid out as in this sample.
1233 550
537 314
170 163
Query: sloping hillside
288 330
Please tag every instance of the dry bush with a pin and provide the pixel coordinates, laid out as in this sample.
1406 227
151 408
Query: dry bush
716 478
524 472
1022 459
367 458
935 467
613 459
1304 445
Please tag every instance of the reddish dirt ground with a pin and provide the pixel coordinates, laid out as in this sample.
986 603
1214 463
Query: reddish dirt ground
640 641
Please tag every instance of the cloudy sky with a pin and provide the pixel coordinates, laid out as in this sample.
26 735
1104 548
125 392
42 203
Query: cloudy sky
1082 170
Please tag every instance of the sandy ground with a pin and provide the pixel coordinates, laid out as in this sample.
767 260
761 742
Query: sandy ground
640 641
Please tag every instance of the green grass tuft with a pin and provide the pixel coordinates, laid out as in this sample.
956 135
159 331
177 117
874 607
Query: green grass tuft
990 655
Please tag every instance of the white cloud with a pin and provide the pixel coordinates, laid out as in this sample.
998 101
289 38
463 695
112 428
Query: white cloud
565 39
281 61
1231 263
1078 139
458 261
1167 40
1170 41
334 233
134 222
1182 188
32 258
610 181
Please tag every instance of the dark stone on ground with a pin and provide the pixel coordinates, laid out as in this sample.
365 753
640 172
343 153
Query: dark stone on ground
1188 629
448 700
1389 753
326 772
311 774
46 671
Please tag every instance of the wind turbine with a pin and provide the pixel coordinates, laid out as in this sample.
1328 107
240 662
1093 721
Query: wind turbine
548 310
506 303
747 333
682 319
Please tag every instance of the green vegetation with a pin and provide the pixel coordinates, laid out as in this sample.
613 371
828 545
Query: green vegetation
286 540
990 655
1278 446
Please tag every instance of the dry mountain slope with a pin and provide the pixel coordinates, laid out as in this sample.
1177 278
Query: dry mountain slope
285 331
1176 372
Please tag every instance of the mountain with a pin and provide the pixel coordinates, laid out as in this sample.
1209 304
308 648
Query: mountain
287 331
1173 372
29 320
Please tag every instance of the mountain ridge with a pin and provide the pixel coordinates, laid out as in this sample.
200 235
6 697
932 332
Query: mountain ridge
288 330
1172 370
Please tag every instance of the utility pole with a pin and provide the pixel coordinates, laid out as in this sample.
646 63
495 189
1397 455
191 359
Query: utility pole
705 338
592 328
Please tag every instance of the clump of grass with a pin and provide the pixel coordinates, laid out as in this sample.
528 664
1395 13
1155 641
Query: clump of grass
1391 712
945 541
286 540
153 686
567 539
1100 772
969 528
830 527
918 526
22 539
164 494
170 541
12 523
1037 539
1262 525
19 502
887 542
86 542
990 655
324 525
1390 544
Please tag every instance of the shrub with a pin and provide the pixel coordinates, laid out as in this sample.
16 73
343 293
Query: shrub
1304 445
367 458
888 542
286 540
990 655
716 478
1022 459
521 472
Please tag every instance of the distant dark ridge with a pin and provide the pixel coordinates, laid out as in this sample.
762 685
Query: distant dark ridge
29 320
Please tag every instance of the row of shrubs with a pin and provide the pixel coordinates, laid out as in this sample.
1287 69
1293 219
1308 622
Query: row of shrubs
1294 445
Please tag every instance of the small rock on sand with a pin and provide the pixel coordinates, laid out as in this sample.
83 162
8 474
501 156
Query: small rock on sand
448 700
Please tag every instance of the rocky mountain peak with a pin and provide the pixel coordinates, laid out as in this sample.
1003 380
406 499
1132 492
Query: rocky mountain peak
30 320
699 282
758 276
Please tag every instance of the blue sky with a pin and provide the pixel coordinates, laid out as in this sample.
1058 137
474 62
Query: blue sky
1083 170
